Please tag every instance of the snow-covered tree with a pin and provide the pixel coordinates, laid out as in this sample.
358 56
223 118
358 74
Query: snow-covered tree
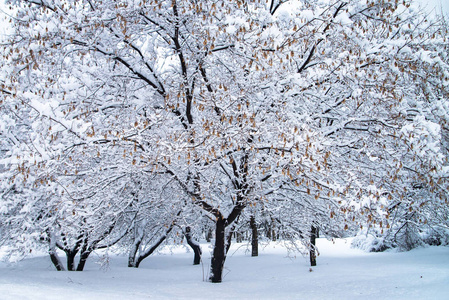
317 114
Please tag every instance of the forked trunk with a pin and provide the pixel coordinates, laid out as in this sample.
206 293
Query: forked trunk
150 250
133 253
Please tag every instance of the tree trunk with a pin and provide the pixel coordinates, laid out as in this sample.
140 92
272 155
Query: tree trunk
56 261
83 259
195 246
133 254
229 239
137 259
218 255
238 237
150 251
54 255
254 237
268 232
209 235
313 234
70 260
271 231
134 249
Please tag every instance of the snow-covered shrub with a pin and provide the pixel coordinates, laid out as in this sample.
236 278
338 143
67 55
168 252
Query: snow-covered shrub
436 237
370 241
403 236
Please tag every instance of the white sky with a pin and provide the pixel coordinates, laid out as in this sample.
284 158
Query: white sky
437 6
3 24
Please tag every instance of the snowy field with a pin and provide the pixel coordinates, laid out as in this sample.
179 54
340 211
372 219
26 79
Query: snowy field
342 273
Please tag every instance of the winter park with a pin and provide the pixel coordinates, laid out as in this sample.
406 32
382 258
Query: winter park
234 149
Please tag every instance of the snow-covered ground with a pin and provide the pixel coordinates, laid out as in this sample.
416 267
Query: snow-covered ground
342 273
